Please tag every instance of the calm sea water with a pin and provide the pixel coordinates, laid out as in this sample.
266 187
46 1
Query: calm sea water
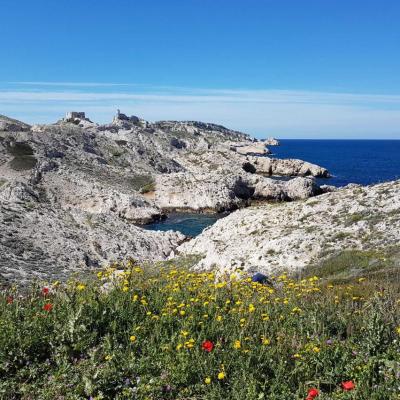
188 224
349 161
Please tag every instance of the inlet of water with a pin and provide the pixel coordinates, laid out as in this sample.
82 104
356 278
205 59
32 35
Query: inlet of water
190 224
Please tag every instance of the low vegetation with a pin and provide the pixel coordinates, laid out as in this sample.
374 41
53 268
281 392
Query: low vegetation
23 156
137 182
168 333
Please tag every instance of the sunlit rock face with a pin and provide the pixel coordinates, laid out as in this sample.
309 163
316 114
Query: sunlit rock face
73 193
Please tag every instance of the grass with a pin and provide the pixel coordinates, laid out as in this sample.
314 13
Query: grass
145 334
23 163
148 187
138 182
23 156
348 265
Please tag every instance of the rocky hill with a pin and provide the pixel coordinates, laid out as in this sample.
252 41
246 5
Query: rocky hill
276 237
72 193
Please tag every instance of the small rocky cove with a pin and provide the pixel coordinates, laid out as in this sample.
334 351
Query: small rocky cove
189 224
76 195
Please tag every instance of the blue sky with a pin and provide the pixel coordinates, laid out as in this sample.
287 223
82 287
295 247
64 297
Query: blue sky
306 69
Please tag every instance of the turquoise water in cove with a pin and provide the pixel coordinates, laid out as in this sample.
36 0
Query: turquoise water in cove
349 161
188 224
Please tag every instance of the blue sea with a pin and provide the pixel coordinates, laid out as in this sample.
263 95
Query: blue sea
349 161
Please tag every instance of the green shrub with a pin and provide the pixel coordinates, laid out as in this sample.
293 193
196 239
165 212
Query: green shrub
23 156
143 335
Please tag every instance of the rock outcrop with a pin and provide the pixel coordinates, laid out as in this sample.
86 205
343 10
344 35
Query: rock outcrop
278 237
253 149
271 142
293 189
287 167
12 125
41 241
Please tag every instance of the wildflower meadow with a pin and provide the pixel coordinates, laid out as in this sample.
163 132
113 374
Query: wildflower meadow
168 333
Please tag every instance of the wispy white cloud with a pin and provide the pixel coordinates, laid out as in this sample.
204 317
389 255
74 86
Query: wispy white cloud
286 113
71 84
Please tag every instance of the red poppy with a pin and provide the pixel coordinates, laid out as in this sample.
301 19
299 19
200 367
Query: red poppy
348 385
207 346
312 393
10 299
45 291
47 307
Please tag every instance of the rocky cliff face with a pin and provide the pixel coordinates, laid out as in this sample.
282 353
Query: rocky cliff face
72 193
290 236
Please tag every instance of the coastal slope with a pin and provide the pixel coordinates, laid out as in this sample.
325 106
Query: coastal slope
278 237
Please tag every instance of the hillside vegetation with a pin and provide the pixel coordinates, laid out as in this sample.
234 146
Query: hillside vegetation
169 333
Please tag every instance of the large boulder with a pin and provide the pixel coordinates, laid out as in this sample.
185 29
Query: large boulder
280 190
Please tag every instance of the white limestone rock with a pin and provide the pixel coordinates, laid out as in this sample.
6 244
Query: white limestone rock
271 141
290 236
287 167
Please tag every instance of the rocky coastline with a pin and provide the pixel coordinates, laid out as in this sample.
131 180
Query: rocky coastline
73 194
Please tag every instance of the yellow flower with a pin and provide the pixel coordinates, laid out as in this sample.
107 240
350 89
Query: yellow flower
219 318
316 349
221 375
265 341
125 288
184 333
251 308
207 381
135 297
297 355
179 346
398 330
81 287
237 344
108 357
189 344
182 312
132 338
